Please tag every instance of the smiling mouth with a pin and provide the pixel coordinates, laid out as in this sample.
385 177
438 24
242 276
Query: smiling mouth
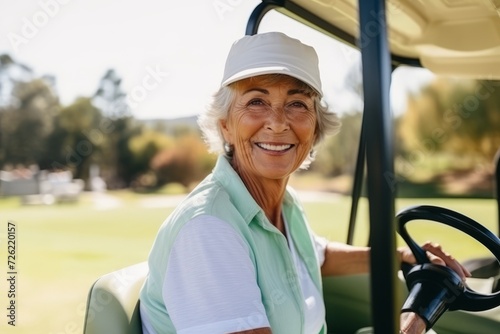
274 148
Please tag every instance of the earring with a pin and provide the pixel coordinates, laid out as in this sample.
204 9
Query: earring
228 149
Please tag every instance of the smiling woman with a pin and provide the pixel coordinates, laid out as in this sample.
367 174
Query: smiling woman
233 252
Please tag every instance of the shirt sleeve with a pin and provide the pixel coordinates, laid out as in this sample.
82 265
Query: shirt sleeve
210 284
320 244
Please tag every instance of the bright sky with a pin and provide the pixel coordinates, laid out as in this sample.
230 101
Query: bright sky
170 54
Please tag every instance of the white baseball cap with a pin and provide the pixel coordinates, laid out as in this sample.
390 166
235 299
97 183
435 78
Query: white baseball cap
272 53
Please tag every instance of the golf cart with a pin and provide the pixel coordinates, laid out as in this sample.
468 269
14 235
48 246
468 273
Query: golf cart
399 33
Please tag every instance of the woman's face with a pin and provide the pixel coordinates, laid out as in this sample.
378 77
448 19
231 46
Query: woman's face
271 126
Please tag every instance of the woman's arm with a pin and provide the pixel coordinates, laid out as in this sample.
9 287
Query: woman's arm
342 259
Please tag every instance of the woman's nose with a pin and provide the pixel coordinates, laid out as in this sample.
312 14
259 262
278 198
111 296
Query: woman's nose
277 120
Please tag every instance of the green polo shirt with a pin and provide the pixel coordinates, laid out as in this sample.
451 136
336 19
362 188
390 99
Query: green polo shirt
223 195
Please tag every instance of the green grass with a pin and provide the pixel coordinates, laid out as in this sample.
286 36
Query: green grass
62 249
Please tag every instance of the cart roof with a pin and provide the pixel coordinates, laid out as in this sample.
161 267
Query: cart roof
449 37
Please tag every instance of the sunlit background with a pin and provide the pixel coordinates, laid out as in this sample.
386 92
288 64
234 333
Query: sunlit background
98 137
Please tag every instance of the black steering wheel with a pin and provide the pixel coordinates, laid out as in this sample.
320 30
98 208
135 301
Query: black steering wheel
434 288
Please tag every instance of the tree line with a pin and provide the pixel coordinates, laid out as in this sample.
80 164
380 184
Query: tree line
457 119
98 130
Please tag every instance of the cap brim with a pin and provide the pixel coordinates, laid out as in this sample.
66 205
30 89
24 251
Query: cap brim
248 73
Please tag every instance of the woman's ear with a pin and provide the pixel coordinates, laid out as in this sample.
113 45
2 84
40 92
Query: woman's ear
226 132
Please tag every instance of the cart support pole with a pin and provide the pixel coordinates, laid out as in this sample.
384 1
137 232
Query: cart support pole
376 62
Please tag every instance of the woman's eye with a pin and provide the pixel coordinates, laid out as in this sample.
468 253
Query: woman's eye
256 102
298 105
257 105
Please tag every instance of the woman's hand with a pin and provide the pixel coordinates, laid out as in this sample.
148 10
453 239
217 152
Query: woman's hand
436 255
411 323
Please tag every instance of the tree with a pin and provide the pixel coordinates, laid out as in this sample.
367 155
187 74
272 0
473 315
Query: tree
26 121
111 100
187 162
337 155
354 86
11 74
458 117
145 146
77 140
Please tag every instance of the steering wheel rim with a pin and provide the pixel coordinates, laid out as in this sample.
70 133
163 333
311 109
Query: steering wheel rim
469 300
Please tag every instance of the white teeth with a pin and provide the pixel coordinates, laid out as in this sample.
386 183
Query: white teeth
270 147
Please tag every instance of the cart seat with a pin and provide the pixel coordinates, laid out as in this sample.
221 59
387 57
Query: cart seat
113 302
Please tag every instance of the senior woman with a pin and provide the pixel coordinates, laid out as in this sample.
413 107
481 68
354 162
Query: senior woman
237 255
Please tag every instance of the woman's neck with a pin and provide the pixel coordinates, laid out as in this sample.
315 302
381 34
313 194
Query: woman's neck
268 194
